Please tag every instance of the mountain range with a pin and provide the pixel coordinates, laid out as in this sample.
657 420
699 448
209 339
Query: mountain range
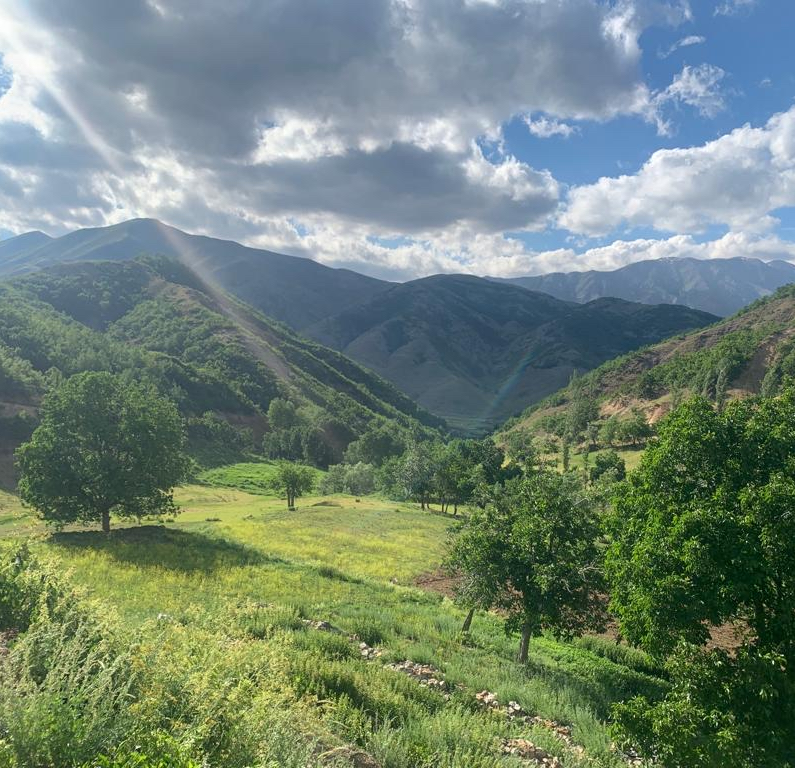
476 352
719 286
469 349
154 320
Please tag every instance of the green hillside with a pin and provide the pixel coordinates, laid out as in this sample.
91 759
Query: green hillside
294 290
475 352
749 353
220 360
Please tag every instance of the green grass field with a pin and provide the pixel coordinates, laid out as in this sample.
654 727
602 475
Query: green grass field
240 572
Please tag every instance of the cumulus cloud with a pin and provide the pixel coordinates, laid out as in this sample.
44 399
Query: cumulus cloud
737 180
359 110
352 131
544 127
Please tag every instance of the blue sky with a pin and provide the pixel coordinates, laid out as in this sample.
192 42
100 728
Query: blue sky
402 138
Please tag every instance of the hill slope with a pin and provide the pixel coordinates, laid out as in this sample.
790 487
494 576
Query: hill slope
291 289
719 286
17 249
154 320
749 353
475 351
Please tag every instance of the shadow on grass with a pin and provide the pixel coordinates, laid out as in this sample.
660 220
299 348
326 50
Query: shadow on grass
158 546
597 688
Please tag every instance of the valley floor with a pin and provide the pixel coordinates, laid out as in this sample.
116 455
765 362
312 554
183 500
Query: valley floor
238 574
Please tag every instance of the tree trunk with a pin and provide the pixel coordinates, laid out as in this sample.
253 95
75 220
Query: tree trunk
524 643
468 621
106 521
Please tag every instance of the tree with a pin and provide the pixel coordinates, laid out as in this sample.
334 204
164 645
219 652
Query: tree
608 462
282 414
292 480
702 535
378 442
635 428
531 552
359 479
103 447
415 473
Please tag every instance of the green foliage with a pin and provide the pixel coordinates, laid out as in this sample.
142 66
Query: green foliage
608 462
703 535
282 414
376 444
721 710
213 441
358 479
702 530
531 552
103 447
292 480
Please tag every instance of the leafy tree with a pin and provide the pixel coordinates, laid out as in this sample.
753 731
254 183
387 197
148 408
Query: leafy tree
359 479
378 442
703 534
292 481
415 473
608 462
531 552
103 447
608 433
521 448
282 414
635 428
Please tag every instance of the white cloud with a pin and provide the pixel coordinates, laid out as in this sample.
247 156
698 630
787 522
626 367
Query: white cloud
682 43
737 180
358 110
544 127
733 7
699 88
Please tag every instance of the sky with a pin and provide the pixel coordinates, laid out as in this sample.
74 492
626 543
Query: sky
402 138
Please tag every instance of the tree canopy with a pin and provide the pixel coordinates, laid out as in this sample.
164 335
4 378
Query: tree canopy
531 552
104 446
292 480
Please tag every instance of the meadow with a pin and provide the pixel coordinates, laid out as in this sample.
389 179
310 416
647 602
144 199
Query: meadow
225 594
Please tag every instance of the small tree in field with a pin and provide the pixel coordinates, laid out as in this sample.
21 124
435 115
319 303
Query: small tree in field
293 481
531 552
103 447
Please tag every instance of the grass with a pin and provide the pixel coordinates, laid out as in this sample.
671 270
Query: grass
631 457
254 477
237 565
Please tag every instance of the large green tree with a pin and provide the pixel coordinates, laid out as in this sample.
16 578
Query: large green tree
703 535
104 446
532 553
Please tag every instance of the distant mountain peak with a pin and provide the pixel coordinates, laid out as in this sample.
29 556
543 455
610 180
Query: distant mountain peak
718 286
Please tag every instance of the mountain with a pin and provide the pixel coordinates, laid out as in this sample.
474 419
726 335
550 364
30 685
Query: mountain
474 351
220 360
746 354
19 247
298 291
718 286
